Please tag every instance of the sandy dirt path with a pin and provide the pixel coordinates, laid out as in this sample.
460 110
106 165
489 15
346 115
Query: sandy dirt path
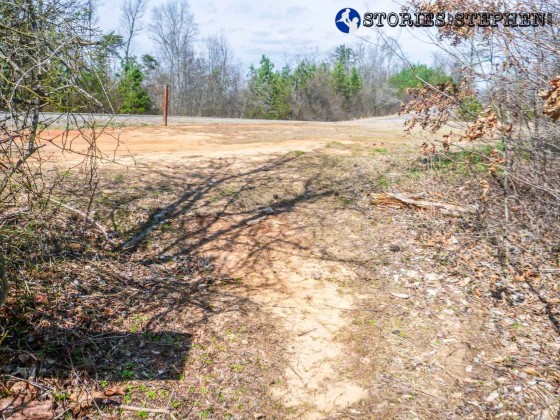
277 258
302 293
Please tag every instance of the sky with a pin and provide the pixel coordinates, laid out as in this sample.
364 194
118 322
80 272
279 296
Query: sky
279 29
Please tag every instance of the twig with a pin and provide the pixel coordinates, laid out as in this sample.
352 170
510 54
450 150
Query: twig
337 308
306 332
147 410
3 281
169 403
88 393
84 215
297 374
15 168
16 378
417 390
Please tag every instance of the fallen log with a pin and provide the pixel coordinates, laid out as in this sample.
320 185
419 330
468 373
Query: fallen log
404 201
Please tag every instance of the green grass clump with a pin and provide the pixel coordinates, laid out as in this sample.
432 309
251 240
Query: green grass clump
379 150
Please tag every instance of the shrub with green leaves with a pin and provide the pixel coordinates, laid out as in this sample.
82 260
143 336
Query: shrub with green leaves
417 76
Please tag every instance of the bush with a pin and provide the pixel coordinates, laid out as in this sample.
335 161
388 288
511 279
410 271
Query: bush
470 109
415 76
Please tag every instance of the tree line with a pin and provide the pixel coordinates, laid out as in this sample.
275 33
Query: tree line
206 79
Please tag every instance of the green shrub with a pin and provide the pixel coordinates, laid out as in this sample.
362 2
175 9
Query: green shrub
415 76
470 109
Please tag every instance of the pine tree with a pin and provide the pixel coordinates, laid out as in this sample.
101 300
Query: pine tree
271 92
281 108
356 82
340 79
134 97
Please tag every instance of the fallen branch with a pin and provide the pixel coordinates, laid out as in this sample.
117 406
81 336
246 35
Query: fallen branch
14 214
306 332
157 220
403 201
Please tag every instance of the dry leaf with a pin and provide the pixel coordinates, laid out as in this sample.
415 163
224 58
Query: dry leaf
552 99
114 391
84 400
485 190
35 410
485 126
530 371
41 298
81 396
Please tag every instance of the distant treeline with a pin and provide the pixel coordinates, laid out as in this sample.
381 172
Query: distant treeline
205 79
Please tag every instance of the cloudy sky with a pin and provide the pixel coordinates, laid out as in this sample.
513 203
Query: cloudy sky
278 29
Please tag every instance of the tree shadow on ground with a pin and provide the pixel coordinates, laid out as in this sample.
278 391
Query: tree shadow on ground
108 356
130 313
119 321
205 218
107 322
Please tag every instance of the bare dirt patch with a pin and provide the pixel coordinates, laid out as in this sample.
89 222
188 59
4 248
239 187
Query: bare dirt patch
219 140
299 292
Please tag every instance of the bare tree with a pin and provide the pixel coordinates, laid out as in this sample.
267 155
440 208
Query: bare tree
48 62
173 30
132 13
223 78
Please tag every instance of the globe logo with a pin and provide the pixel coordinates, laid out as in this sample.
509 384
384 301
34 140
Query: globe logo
348 20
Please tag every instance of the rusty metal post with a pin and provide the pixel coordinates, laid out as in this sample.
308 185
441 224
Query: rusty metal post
165 103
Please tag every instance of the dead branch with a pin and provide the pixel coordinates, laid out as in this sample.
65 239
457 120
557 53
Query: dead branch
157 220
13 215
84 215
15 168
147 410
403 201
